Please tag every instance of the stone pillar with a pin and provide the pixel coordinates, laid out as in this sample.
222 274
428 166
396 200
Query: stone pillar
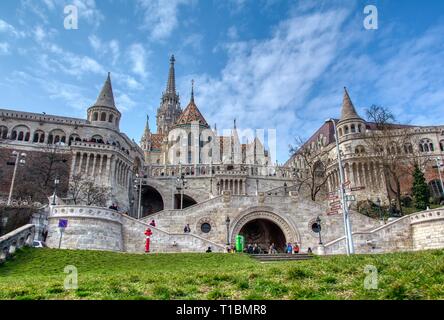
73 165
80 163
94 165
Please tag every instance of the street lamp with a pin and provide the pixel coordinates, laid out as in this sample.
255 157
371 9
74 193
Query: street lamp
227 223
19 159
319 228
181 185
438 165
138 187
56 183
346 216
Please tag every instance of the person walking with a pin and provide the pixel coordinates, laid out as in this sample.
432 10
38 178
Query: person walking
296 248
289 248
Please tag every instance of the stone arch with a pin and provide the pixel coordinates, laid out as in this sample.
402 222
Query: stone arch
265 213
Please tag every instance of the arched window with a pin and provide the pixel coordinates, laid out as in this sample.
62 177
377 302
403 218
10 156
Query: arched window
353 128
435 188
359 150
426 145
95 116
408 148
21 133
340 132
111 118
97 138
56 136
441 145
359 128
39 136
103 116
346 130
3 132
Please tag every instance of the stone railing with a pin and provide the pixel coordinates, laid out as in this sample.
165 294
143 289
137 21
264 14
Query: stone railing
85 212
207 170
426 216
16 239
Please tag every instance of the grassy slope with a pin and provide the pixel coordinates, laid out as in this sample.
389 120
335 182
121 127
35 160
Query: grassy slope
38 274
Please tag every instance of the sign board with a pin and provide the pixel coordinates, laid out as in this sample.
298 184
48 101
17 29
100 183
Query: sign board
330 213
335 202
63 223
333 197
357 188
335 207
350 197
346 183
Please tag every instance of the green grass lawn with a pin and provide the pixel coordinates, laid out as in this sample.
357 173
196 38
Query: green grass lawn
39 274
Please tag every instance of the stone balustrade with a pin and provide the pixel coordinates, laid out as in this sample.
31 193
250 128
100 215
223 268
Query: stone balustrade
16 239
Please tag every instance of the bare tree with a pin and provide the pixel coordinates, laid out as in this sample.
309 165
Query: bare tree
391 143
311 174
83 190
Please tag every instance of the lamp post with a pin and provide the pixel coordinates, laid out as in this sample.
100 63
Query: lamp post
56 183
318 221
438 165
378 202
19 159
138 187
227 223
346 216
181 182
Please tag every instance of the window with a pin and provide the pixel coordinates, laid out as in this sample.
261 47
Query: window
353 128
95 116
205 227
441 145
340 132
408 148
359 150
3 132
359 128
426 145
346 130
435 188
103 116
111 118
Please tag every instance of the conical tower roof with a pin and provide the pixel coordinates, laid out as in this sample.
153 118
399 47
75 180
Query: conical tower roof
348 109
106 96
171 84
192 113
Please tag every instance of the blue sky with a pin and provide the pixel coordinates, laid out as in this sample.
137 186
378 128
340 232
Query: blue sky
271 64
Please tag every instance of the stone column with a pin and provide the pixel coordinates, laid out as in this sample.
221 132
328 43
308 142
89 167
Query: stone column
73 165
94 165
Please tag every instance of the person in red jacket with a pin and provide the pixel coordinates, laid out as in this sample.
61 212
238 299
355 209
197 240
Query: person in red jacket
296 248
148 234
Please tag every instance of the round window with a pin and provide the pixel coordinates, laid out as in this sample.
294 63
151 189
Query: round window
205 227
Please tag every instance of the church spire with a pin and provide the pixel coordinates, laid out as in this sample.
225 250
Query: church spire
348 109
192 91
171 85
106 96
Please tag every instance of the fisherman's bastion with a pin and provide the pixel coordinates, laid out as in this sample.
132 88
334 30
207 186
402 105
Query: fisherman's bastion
187 173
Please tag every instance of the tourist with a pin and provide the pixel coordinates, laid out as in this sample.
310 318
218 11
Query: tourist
309 251
250 248
209 250
289 249
296 248
187 229
272 249
153 223
256 249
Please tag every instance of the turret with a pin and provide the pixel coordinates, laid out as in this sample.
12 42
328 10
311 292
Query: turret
350 122
104 111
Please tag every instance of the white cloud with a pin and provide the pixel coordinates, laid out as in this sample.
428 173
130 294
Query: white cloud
4 48
137 55
9 29
161 16
111 48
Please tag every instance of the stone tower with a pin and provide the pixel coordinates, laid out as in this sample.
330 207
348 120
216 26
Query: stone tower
169 110
350 122
104 112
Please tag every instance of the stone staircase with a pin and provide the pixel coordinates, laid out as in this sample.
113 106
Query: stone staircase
281 257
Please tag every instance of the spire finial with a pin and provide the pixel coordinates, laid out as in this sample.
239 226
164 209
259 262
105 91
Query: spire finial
192 90
234 123
171 85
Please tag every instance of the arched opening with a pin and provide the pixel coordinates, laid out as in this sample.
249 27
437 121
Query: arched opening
151 202
187 201
263 232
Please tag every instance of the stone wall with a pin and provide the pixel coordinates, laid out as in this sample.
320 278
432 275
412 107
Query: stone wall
88 228
428 229
418 231
16 239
